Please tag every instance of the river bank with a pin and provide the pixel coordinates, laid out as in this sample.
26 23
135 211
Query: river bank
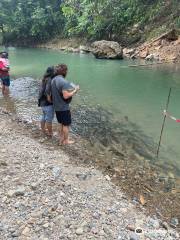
50 193
165 48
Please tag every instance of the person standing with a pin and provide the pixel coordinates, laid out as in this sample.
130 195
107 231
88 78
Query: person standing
62 92
4 73
45 102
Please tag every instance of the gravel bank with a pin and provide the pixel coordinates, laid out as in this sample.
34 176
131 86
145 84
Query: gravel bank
43 195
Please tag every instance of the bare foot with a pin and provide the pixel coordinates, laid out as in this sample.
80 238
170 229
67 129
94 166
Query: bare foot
68 142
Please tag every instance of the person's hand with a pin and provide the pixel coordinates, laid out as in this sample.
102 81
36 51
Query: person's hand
77 88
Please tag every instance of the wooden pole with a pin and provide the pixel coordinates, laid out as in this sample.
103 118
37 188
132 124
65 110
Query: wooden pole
167 103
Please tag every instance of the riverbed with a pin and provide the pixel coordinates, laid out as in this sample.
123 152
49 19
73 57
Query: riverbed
117 113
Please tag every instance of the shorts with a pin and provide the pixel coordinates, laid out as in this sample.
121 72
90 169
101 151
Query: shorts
64 117
5 81
48 114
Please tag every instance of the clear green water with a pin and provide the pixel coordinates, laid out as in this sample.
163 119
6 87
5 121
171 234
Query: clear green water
137 92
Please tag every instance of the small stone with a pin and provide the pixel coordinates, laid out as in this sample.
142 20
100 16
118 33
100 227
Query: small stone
56 171
107 178
165 225
130 228
174 222
94 230
41 166
15 234
10 193
81 176
79 231
3 164
3 150
101 233
61 194
133 236
154 223
31 221
34 186
46 225
26 231
37 214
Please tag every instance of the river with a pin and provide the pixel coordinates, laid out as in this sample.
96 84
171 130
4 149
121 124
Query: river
112 88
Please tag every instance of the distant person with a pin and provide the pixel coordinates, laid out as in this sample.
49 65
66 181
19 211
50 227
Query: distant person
4 73
45 102
62 92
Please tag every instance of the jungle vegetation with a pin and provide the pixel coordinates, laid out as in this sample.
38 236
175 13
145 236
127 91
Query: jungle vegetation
128 21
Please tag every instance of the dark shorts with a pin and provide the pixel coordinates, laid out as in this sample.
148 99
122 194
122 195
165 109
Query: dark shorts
5 81
64 117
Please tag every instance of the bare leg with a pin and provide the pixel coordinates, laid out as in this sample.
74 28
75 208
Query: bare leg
61 134
66 135
3 89
43 127
49 129
6 90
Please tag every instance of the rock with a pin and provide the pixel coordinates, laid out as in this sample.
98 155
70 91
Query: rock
174 222
101 233
154 223
133 236
165 225
81 176
144 53
107 178
34 185
84 49
56 171
46 225
130 228
94 230
3 164
75 50
15 234
79 231
17 192
41 166
3 150
150 57
107 50
26 231
127 52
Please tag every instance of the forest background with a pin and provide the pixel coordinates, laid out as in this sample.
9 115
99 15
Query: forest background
129 22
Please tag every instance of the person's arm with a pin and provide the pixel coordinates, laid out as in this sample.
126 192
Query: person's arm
67 94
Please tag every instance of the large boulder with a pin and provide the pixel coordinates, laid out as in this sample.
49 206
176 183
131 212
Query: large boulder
107 50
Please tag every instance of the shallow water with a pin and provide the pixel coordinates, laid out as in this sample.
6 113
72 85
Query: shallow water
112 88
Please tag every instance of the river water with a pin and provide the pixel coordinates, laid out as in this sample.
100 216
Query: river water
111 89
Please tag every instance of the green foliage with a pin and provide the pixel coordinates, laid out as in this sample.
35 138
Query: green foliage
30 21
35 21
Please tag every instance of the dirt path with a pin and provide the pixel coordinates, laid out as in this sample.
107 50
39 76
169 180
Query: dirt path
44 196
